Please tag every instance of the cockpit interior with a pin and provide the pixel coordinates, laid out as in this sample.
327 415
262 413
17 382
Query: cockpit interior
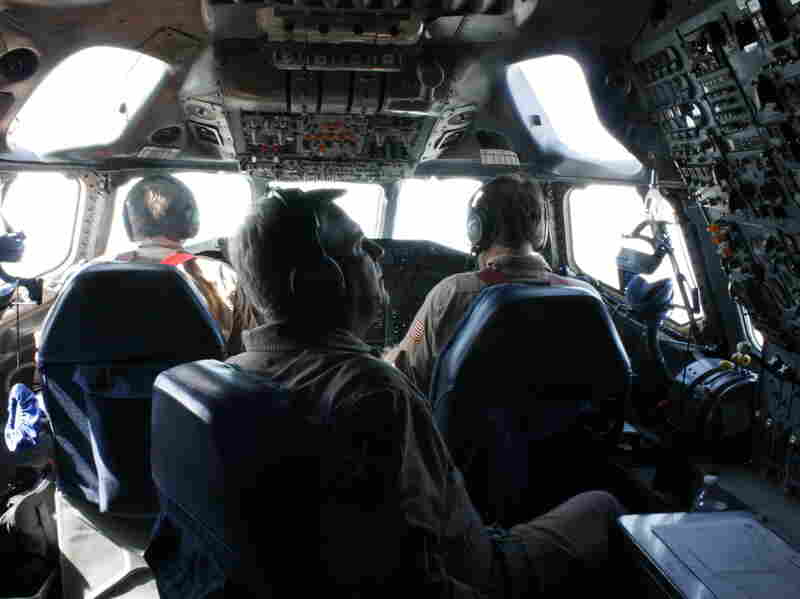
665 136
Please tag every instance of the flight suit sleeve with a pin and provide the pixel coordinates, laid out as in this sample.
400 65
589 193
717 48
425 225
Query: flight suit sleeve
416 354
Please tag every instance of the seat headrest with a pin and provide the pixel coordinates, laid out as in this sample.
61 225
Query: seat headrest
228 449
111 312
559 334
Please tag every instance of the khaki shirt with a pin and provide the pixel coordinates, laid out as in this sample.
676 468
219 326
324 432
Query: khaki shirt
445 305
215 280
420 532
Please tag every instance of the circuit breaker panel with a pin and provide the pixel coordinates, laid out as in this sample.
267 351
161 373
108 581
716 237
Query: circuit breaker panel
721 80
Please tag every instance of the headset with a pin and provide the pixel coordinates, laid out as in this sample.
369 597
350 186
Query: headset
181 220
482 228
316 273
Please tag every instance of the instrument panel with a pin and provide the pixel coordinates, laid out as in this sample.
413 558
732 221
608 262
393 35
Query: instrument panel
346 112
410 270
330 147
723 86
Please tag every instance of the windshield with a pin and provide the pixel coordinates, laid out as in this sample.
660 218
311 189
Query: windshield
223 200
365 203
436 210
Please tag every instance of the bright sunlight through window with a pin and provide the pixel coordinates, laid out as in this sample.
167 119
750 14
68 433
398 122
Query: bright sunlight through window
552 98
43 206
98 91
436 210
223 200
599 216
363 202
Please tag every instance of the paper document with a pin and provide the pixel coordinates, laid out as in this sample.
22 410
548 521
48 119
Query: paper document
735 557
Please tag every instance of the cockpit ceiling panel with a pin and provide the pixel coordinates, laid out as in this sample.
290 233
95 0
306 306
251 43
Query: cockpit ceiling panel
399 22
318 78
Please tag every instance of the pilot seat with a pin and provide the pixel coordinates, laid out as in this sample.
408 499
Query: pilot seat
112 330
237 470
528 371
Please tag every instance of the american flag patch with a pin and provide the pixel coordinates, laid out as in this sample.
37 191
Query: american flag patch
417 331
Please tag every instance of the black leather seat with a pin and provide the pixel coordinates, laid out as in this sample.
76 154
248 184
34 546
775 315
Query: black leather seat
237 471
112 330
511 391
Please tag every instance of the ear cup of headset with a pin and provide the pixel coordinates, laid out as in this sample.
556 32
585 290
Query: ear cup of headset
192 217
480 229
317 275
474 227
321 278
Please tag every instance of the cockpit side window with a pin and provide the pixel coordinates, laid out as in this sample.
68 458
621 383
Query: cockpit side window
223 201
598 216
44 206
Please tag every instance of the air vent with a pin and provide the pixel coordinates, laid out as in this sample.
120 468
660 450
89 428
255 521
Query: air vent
206 133
18 65
167 136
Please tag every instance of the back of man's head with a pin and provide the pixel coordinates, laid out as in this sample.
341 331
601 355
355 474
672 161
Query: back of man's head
513 213
274 246
161 206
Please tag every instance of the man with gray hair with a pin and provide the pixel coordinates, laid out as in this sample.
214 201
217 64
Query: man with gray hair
394 512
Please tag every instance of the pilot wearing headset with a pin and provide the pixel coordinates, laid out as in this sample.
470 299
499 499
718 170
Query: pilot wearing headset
507 226
160 214
392 509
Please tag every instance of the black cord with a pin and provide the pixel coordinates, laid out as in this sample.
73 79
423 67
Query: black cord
19 341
